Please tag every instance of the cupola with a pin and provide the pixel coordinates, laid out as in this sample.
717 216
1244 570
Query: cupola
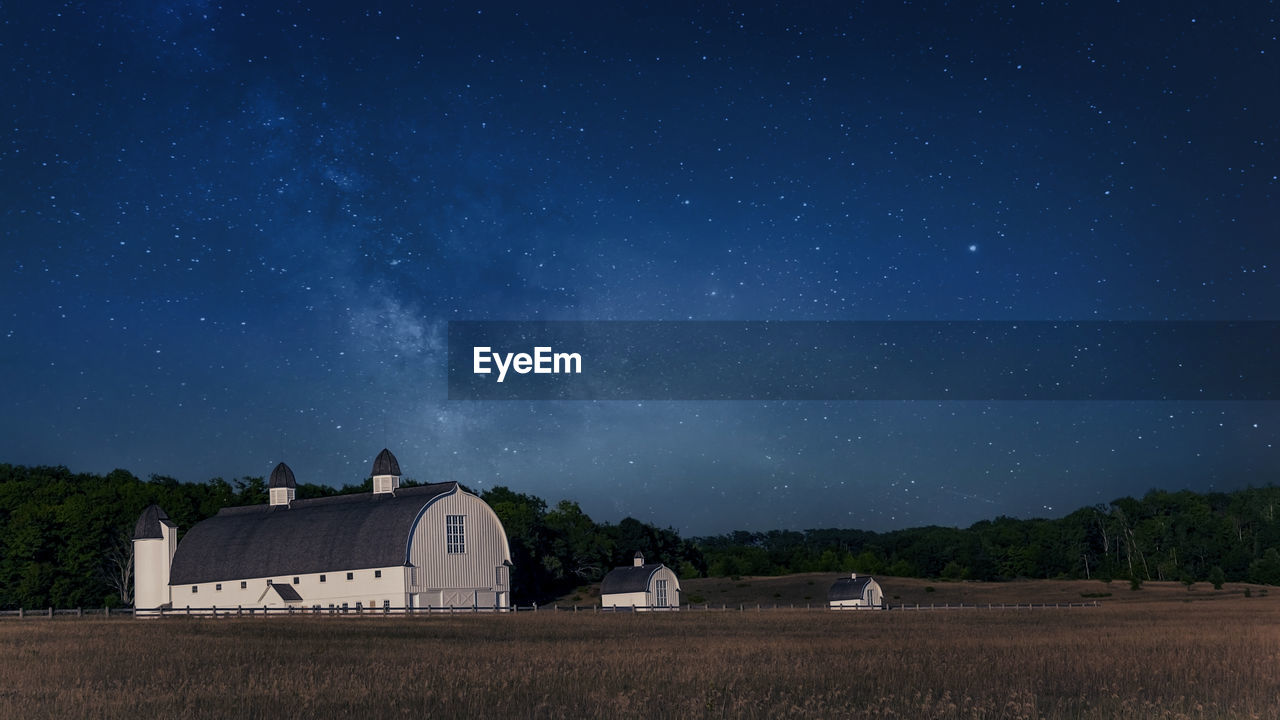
386 473
282 487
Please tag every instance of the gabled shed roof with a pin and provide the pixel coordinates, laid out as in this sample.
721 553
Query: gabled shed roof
286 592
629 579
848 588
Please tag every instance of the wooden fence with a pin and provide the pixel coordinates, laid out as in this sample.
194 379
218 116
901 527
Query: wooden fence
360 611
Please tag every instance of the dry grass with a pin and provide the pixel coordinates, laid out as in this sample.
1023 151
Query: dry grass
1176 660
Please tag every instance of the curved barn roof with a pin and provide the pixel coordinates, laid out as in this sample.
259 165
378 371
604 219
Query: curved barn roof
344 532
385 464
282 476
149 522
629 579
848 588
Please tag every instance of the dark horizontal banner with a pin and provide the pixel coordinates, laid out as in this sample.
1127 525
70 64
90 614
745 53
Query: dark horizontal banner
864 360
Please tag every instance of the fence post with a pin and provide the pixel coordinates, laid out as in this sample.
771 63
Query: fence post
50 613
19 613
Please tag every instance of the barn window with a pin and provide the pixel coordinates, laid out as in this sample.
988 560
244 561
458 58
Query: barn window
497 576
386 604
455 534
662 594
377 573
244 584
195 589
295 581
321 578
218 587
351 576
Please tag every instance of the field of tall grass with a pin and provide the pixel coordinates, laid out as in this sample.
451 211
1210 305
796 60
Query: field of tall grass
1158 660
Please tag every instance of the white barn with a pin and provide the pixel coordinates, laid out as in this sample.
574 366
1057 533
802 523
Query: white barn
434 545
642 586
855 592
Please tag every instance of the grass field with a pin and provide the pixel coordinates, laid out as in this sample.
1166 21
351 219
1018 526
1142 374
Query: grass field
1156 659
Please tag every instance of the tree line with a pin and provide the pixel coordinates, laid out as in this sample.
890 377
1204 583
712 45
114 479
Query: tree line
65 539
1180 536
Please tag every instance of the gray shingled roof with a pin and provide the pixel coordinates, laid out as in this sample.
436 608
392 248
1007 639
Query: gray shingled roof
286 592
628 579
344 532
848 588
282 476
385 464
148 525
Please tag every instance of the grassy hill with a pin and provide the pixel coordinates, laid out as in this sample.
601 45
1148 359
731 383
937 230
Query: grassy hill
811 588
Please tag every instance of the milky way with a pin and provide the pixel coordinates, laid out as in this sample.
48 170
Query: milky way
234 235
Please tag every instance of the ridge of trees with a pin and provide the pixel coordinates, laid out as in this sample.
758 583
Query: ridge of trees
1183 536
65 539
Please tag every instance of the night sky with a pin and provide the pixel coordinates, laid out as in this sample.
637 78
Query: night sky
234 235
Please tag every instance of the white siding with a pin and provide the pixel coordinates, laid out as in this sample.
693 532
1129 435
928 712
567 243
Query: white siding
635 599
336 589
443 579
673 587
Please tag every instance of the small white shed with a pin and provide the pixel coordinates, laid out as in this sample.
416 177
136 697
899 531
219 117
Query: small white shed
855 592
642 586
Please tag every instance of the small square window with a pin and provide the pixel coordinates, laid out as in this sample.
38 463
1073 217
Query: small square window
321 578
295 581
351 576
195 589
377 573
218 587
243 584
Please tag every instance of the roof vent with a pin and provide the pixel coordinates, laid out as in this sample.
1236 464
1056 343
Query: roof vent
283 486
386 473
639 560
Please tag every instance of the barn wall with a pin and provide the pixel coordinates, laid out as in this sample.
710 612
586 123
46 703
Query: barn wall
873 594
673 587
635 599
336 589
441 579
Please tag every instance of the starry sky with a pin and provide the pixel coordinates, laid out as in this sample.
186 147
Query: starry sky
234 234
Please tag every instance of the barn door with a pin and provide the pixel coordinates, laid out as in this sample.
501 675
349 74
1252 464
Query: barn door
458 598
